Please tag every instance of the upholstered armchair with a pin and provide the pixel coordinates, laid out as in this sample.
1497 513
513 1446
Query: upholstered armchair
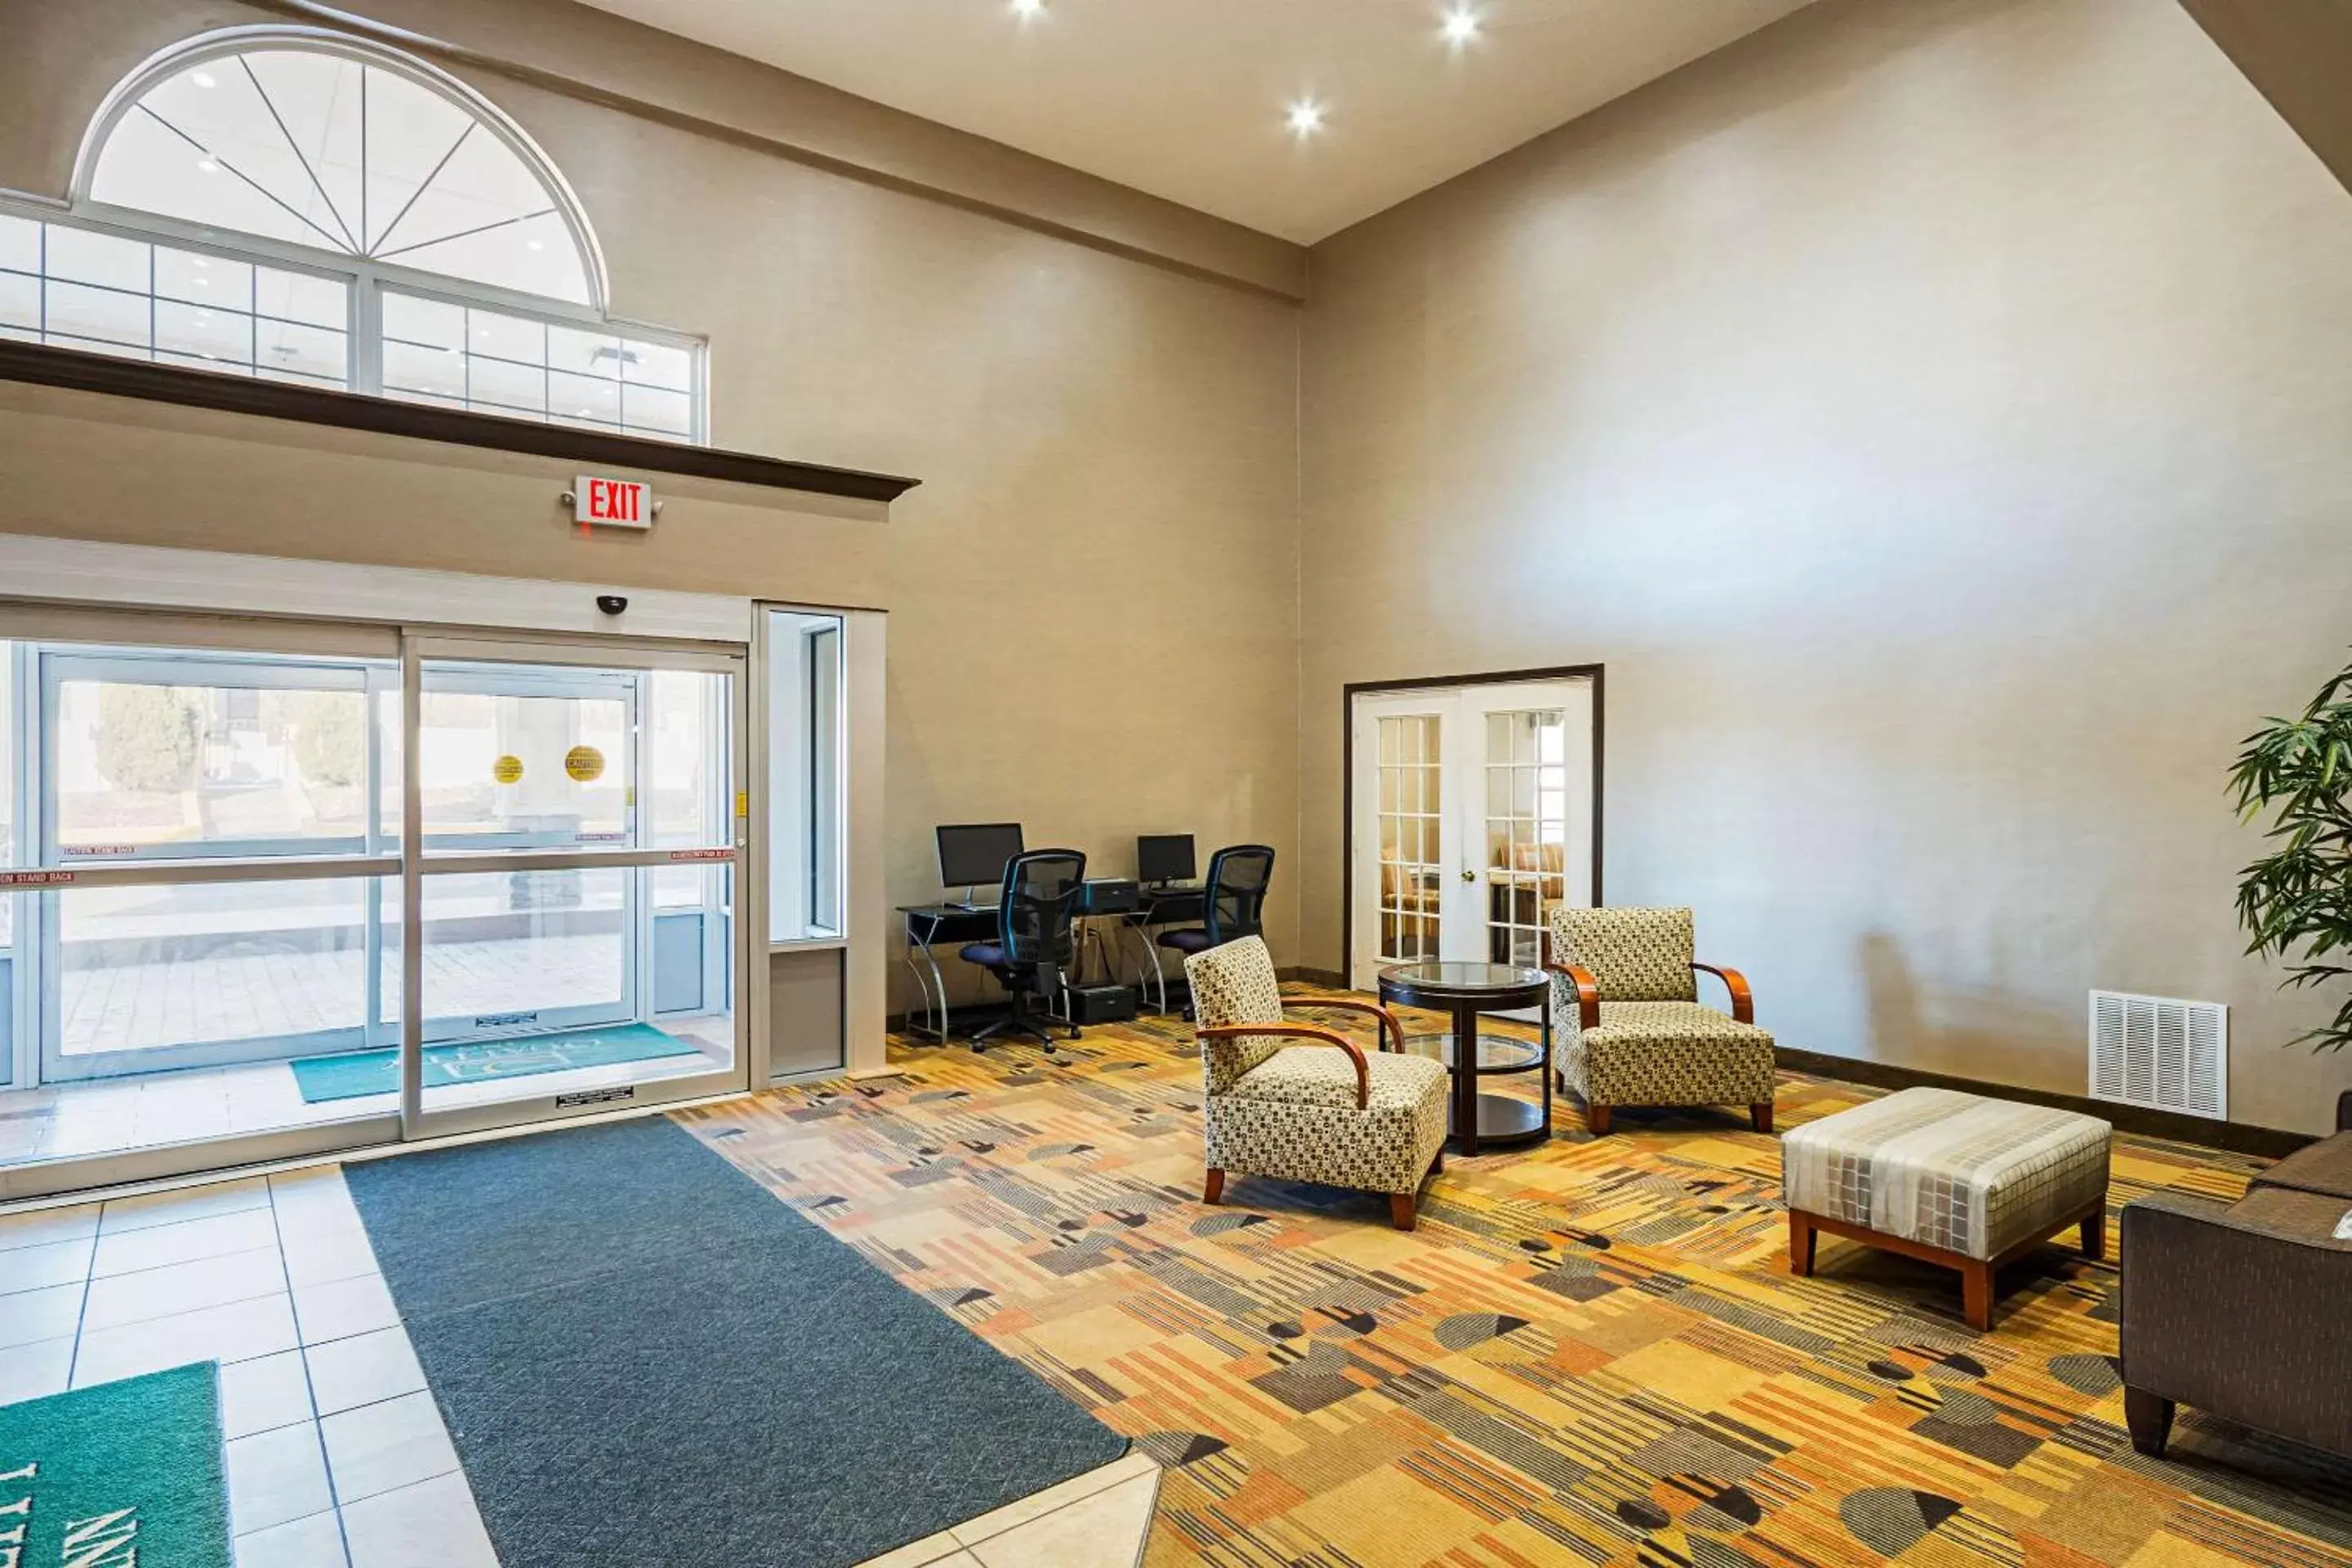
1628 1026
1332 1114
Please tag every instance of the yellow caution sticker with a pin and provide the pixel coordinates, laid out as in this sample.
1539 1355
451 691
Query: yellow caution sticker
506 769
584 763
742 802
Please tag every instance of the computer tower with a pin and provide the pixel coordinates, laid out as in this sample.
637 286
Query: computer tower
1099 1003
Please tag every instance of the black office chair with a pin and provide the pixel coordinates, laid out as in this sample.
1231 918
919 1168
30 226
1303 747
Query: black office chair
1035 923
1233 902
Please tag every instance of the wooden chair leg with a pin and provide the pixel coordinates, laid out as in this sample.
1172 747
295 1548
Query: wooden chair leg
1976 1294
1596 1120
2149 1417
1401 1210
2094 1233
1215 1187
1760 1114
1801 1236
1438 1164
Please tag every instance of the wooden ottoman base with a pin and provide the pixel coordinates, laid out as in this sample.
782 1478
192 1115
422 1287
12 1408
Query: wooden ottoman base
1976 1273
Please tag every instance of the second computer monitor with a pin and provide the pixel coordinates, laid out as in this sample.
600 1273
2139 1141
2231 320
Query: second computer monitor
973 854
1164 857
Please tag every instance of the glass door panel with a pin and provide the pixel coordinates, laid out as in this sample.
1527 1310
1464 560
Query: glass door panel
519 759
159 977
156 755
574 898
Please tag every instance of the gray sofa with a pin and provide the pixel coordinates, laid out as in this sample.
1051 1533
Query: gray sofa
2244 1309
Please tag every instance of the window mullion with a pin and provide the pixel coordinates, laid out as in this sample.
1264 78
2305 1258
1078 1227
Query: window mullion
367 333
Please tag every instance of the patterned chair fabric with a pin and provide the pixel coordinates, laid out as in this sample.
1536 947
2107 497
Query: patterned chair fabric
1286 1108
1655 1044
1634 955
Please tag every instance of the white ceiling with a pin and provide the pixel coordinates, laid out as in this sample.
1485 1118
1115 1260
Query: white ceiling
1188 98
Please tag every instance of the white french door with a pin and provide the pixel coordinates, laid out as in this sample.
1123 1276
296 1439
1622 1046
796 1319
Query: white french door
1471 816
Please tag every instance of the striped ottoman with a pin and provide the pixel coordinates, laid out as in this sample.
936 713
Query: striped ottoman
1956 1179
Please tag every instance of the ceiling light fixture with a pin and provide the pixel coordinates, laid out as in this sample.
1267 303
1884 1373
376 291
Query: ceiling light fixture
1306 117
1024 9
208 166
1460 25
203 79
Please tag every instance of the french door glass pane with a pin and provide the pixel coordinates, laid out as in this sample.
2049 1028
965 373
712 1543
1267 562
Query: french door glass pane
1526 832
1410 812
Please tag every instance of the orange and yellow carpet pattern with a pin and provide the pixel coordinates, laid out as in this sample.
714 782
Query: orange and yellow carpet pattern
1590 1351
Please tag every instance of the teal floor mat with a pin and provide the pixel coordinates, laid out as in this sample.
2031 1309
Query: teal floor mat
353 1074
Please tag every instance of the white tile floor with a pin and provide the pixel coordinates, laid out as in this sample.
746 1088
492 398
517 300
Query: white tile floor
337 1456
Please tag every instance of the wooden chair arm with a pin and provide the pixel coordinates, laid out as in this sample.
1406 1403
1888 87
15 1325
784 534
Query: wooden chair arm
1302 1032
1392 1027
1588 993
1743 1000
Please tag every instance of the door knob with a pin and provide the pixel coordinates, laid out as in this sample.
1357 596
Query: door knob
1468 876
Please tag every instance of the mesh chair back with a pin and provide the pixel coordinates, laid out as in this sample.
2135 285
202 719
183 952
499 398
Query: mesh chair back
1042 889
1235 906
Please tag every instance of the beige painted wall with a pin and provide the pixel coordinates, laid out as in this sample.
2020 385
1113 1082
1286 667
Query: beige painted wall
1092 591
1934 414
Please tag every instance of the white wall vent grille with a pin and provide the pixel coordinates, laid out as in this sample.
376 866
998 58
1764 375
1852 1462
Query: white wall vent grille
2161 1053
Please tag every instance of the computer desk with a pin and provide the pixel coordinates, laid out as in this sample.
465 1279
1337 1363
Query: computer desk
1138 910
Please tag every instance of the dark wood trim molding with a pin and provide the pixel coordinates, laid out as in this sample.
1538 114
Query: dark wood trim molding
2235 1137
37 364
1595 673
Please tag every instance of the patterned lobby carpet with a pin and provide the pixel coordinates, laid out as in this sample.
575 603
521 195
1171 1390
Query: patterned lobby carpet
1589 1353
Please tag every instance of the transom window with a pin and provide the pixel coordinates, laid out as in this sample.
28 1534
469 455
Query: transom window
324 151
301 206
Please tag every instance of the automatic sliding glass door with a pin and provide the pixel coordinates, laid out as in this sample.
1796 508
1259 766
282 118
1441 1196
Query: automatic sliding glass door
273 889
568 925
220 849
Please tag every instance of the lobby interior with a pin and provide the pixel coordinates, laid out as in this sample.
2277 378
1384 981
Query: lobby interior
1744 556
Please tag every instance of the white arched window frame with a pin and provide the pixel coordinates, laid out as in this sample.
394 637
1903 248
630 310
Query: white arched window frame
406 331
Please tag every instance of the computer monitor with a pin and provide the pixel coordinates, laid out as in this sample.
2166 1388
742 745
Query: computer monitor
973 854
1164 857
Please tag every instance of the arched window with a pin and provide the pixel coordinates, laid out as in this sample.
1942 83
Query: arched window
296 205
359 153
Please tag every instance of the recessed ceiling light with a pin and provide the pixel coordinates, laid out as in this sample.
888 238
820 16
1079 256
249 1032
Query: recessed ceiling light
203 79
1306 117
534 245
1460 25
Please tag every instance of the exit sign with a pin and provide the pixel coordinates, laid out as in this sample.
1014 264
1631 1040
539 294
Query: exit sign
612 503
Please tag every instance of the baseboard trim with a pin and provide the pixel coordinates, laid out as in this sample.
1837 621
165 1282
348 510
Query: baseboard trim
2235 1137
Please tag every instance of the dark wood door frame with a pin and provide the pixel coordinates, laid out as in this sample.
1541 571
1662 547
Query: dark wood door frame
1594 673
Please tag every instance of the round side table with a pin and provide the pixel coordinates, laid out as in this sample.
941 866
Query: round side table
1464 990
